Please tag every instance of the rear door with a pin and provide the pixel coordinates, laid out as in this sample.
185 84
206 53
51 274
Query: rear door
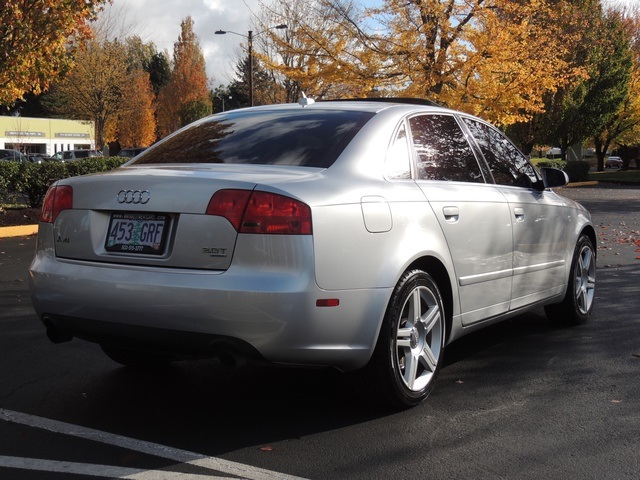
473 215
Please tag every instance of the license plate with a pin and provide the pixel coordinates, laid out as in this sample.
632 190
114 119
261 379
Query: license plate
137 233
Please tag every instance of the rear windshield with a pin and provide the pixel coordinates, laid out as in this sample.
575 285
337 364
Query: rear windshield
297 138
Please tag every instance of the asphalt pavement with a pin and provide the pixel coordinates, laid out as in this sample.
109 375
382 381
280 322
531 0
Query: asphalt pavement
526 399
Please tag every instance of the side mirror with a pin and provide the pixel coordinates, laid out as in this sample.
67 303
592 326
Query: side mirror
552 177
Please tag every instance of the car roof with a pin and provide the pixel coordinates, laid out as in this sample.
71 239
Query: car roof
372 105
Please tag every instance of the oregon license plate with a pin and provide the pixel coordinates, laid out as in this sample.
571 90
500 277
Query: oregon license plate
137 233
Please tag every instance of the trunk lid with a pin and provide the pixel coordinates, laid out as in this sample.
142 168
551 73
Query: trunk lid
155 216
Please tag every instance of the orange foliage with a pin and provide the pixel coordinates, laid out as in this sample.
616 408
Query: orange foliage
188 81
34 39
137 123
497 58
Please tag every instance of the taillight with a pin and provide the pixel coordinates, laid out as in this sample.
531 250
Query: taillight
58 198
229 204
261 212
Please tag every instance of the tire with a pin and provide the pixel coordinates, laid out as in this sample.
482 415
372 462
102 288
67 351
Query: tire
135 358
577 304
410 347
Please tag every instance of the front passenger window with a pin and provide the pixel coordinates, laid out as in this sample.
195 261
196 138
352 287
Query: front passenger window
508 165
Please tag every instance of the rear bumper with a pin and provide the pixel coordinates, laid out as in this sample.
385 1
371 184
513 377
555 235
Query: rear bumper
191 311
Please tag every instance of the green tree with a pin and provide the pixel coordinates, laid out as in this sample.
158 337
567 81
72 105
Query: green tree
264 86
222 98
585 108
159 69
624 127
35 38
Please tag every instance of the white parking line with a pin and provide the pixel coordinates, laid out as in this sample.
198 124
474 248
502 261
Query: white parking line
92 470
181 456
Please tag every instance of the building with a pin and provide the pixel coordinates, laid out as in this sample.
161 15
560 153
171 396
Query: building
45 135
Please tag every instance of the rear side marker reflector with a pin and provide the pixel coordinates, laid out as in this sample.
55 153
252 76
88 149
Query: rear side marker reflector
327 302
251 211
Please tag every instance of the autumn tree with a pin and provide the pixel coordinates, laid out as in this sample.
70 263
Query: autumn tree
35 38
186 96
93 88
136 116
489 57
322 52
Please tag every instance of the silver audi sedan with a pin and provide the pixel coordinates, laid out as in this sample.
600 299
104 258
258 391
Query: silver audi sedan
359 235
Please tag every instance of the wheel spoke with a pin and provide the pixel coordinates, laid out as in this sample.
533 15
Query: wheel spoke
587 258
415 310
431 318
411 371
403 338
585 280
429 360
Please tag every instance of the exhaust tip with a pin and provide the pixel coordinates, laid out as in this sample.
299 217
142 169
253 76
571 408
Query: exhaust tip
231 359
57 336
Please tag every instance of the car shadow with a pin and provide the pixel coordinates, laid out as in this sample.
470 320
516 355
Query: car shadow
203 406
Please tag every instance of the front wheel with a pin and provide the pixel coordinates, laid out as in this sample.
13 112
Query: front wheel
410 347
577 304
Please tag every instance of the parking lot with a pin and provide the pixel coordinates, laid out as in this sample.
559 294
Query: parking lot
526 399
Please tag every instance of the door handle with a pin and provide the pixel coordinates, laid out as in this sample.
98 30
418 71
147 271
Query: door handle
451 214
519 213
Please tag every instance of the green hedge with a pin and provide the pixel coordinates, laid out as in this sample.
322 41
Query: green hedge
577 171
32 180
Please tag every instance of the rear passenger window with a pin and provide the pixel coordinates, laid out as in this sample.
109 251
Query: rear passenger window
508 165
442 150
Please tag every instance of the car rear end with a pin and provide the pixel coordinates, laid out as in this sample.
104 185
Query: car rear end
195 258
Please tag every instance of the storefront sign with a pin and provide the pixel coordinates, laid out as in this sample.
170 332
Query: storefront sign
72 135
20 133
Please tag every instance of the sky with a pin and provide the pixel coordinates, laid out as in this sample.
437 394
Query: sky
158 21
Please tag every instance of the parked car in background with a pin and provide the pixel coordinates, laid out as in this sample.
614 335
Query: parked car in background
13 155
613 162
131 152
38 157
70 155
350 234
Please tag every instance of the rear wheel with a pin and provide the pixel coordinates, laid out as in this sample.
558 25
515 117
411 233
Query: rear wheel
577 304
409 352
136 358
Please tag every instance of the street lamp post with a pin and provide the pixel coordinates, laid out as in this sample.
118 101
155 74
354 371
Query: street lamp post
249 38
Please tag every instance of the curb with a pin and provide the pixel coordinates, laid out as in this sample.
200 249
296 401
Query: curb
18 231
589 183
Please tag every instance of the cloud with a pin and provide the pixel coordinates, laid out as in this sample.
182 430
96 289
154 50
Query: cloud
158 21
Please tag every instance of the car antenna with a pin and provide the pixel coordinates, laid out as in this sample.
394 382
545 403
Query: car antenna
304 101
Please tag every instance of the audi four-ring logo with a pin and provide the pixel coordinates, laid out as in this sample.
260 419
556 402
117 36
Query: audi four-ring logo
134 196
